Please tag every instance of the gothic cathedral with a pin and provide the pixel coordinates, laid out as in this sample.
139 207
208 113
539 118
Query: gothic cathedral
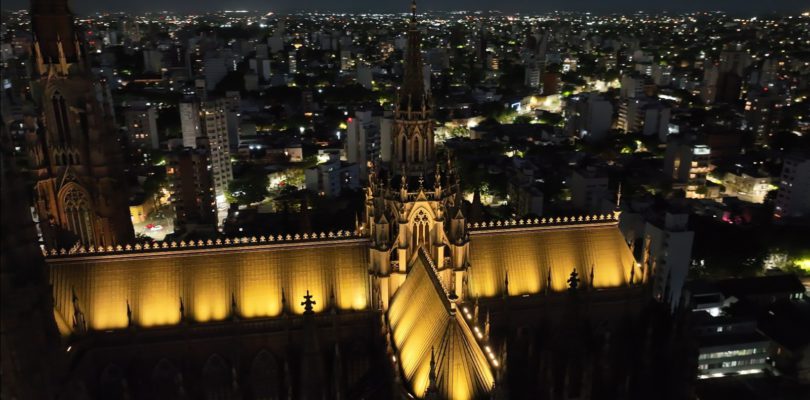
75 156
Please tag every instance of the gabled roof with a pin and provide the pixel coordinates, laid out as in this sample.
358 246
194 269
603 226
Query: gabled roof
529 255
423 320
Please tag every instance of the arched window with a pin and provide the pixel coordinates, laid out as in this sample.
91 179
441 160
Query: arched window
417 149
420 230
403 149
217 379
78 212
167 381
60 115
264 377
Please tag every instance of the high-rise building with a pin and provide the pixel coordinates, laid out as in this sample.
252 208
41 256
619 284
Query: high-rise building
189 122
292 62
763 111
589 190
533 74
74 149
666 256
688 165
152 61
645 115
793 198
632 86
363 140
588 116
192 186
346 61
141 123
214 69
214 137
332 177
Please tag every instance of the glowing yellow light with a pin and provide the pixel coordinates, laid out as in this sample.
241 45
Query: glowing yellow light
529 256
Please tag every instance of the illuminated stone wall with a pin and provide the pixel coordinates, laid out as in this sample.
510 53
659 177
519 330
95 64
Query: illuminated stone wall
206 279
528 254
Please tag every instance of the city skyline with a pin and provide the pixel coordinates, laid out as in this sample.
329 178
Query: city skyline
508 6
254 205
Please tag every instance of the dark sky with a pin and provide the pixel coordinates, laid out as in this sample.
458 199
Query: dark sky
744 7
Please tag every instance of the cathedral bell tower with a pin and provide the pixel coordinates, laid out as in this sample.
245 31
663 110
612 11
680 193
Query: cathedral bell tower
414 148
414 203
74 151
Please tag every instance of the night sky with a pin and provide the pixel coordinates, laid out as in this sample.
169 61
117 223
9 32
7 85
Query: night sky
741 7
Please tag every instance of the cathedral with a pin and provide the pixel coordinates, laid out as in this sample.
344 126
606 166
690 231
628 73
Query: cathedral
72 144
414 302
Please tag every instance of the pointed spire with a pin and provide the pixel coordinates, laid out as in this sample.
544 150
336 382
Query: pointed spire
475 311
437 178
61 51
234 308
129 315
548 280
182 310
590 281
332 300
504 354
77 47
413 87
486 326
632 273
283 302
38 56
506 284
432 391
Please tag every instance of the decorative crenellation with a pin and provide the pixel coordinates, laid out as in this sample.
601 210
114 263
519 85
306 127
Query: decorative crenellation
572 220
435 271
202 244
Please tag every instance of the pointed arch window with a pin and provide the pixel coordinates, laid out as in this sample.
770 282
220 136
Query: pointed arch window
60 115
417 149
403 148
420 229
217 379
78 214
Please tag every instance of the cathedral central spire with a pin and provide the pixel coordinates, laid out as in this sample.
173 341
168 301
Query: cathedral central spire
414 150
413 91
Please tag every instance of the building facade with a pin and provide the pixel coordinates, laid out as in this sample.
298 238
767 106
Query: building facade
793 198
74 150
192 186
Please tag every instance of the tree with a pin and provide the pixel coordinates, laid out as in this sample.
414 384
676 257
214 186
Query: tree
252 188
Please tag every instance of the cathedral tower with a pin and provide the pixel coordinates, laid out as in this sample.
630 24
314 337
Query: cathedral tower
414 149
74 152
415 203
